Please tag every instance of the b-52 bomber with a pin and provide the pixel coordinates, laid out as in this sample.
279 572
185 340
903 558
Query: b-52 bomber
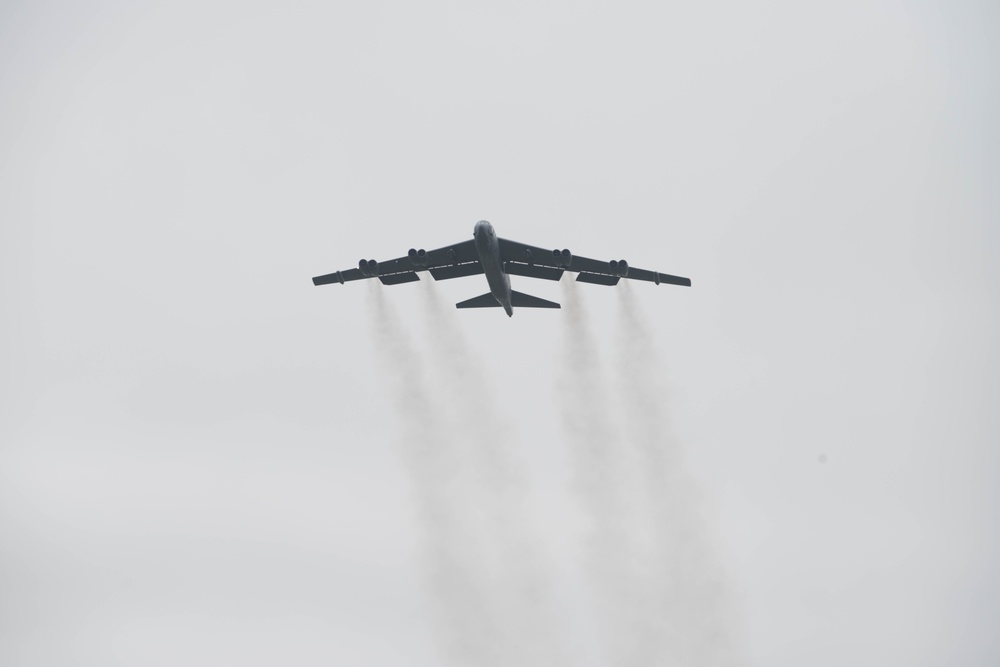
498 259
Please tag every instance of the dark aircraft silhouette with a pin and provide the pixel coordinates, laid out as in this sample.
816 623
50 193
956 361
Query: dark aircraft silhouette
499 259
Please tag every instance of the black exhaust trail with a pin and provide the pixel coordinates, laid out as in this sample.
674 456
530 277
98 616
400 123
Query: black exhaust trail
691 612
496 484
601 481
465 624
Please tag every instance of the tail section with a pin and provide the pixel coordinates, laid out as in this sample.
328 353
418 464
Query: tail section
521 300
517 300
485 301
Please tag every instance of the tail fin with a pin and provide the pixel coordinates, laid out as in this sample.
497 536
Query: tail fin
521 300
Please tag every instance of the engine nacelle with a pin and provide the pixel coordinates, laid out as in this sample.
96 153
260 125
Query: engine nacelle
562 257
417 257
368 267
618 267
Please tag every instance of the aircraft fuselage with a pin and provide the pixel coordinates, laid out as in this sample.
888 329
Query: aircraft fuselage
489 254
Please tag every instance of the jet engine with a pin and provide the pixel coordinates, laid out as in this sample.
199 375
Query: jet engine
619 267
417 257
562 257
368 267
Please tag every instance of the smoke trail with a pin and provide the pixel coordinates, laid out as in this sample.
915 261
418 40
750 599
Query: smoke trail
691 614
466 626
497 487
601 480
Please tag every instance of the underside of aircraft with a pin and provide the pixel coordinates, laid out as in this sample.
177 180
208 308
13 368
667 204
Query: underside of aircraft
498 259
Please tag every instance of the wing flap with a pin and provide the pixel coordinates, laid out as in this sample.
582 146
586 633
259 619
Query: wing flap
457 271
597 279
399 278
532 271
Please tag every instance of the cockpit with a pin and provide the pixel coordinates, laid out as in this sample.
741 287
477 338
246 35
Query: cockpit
483 227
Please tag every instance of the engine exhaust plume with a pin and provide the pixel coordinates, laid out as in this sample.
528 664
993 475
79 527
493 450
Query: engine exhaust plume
465 625
691 614
601 480
496 485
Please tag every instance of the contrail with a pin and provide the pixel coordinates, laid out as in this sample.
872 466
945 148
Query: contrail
497 487
466 625
691 614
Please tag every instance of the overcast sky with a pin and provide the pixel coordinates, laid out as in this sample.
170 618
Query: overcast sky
206 460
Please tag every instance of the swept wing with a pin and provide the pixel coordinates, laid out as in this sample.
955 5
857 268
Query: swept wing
453 261
534 262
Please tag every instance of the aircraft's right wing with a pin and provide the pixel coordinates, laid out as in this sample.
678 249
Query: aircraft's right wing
535 262
453 261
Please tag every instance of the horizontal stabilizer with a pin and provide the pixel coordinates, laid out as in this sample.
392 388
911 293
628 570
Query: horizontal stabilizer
521 300
485 301
457 271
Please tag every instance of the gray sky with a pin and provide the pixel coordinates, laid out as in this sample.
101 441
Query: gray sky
203 458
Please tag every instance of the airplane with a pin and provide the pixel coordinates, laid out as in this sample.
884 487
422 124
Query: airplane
498 259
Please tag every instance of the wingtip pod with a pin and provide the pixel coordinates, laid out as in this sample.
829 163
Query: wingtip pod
671 280
336 277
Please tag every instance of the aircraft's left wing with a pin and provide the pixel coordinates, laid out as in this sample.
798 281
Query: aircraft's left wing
453 261
534 262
